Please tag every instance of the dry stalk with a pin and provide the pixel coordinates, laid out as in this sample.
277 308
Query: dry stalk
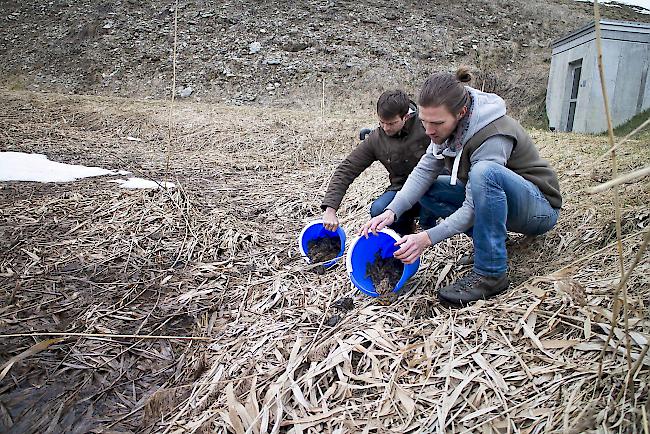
617 202
173 96
104 335
637 259
322 126
624 139
623 179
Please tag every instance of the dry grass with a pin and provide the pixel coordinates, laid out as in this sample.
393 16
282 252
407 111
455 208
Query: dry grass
218 258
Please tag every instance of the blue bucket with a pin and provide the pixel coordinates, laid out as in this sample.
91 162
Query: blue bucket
315 230
362 251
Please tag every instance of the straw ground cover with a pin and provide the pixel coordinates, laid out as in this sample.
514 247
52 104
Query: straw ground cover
217 258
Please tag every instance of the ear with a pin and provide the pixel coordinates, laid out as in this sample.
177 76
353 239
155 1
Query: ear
461 113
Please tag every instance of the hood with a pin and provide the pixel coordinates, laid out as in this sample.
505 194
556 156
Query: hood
486 107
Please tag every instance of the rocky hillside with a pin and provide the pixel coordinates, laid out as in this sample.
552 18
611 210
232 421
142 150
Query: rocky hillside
277 52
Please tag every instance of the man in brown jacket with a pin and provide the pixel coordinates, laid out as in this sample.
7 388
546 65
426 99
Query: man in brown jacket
398 144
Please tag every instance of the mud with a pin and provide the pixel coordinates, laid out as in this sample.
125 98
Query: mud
384 273
333 320
323 249
345 303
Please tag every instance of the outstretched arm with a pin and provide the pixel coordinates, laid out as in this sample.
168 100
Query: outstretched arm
350 168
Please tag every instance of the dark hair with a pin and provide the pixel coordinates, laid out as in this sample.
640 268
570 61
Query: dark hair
444 89
393 103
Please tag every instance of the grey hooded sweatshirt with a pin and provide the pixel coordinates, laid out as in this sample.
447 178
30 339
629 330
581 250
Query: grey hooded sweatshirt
486 107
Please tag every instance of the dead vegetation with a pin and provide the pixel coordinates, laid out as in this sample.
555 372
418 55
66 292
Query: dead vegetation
217 258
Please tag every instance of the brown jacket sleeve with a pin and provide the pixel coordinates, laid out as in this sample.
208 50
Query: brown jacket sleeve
356 162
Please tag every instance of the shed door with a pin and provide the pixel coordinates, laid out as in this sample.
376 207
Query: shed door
575 70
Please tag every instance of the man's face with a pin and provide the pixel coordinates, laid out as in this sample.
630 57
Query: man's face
439 123
392 126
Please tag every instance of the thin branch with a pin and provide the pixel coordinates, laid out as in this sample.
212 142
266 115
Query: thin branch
623 282
632 373
105 335
628 177
624 139
171 104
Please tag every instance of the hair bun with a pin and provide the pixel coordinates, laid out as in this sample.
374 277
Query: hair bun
463 75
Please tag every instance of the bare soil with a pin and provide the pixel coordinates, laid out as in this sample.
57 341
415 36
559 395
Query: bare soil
279 53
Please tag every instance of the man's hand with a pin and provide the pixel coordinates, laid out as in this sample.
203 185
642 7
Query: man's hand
411 247
378 223
330 221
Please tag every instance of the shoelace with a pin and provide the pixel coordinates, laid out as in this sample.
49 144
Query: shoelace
468 280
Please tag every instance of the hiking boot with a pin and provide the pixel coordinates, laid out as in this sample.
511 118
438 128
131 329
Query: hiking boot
466 259
472 287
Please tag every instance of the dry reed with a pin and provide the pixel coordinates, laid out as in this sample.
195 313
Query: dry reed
217 258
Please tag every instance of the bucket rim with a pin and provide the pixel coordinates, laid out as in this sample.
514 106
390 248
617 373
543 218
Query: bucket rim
302 234
348 257
348 265
340 231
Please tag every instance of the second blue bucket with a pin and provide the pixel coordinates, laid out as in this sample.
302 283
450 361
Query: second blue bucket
362 251
315 230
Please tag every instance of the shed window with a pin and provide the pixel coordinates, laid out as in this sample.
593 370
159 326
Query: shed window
576 82
575 71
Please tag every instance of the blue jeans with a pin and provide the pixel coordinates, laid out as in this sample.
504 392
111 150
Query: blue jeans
442 199
404 224
503 201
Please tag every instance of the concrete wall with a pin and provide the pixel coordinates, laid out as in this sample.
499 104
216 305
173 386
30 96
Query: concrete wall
626 74
559 87
632 67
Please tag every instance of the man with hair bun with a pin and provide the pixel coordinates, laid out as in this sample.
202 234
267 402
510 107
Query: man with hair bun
498 183
398 144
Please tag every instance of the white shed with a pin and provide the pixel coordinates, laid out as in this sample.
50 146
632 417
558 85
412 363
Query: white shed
574 100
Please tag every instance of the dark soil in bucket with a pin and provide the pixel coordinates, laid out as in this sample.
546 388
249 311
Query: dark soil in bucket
323 249
384 273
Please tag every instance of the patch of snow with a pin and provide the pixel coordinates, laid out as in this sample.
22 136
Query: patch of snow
142 183
19 166
639 6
